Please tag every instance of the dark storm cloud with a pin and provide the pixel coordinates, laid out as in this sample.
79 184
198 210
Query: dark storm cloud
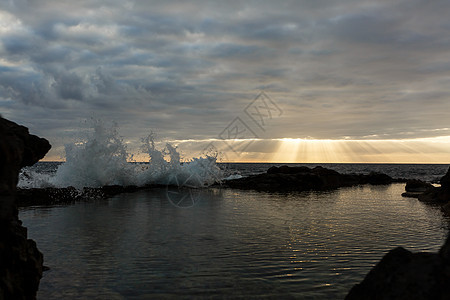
338 69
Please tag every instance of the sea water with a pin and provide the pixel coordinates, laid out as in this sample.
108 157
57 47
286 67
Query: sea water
188 240
229 243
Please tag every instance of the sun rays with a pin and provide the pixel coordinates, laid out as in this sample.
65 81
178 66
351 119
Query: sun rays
425 150
293 150
305 150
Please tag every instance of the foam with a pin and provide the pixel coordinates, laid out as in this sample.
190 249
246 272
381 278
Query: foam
102 159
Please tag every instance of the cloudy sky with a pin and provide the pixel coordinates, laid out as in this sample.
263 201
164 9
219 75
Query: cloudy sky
310 80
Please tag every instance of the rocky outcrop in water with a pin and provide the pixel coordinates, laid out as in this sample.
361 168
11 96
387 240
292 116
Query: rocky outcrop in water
428 193
438 194
69 195
287 178
20 260
415 187
402 274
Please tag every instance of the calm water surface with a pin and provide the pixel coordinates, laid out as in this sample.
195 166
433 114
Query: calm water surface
228 244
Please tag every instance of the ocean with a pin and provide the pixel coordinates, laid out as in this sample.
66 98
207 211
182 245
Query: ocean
213 242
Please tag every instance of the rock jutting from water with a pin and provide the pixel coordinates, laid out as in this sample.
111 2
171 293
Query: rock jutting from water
402 274
428 193
438 194
70 195
415 187
20 260
287 178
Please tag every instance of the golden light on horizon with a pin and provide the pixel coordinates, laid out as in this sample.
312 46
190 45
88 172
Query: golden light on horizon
424 150
301 150
305 150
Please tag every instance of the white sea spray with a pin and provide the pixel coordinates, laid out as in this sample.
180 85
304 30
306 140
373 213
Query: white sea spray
102 159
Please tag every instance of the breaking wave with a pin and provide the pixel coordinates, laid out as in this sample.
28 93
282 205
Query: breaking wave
102 159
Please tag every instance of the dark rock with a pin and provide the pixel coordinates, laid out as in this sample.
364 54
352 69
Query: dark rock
288 170
20 260
376 178
47 196
444 252
111 190
426 192
412 194
445 180
19 149
404 275
273 170
446 208
68 195
324 171
438 195
20 263
287 178
434 195
417 186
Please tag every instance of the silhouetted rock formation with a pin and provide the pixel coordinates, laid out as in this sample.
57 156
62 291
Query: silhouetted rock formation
69 195
415 187
440 194
402 274
20 260
287 178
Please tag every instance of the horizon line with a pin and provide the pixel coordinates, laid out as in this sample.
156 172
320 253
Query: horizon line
278 162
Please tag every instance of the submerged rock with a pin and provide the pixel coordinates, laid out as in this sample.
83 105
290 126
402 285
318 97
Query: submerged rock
20 260
287 178
402 274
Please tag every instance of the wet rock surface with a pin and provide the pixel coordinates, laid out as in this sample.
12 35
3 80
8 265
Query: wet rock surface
415 185
69 195
440 194
20 260
428 193
402 274
285 178
414 188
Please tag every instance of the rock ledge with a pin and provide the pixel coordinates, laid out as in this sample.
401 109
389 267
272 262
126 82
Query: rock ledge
20 260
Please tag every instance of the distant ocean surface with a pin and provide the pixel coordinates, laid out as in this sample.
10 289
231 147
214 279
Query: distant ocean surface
426 172
230 243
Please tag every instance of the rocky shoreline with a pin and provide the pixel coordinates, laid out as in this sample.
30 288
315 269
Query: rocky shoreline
69 195
276 179
287 179
401 274
426 192
21 263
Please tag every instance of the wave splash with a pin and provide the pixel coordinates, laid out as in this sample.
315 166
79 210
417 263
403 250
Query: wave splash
102 159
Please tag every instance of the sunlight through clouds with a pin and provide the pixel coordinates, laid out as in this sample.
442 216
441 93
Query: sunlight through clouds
341 69
289 150
425 150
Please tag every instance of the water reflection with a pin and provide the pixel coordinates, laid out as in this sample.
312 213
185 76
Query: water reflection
229 243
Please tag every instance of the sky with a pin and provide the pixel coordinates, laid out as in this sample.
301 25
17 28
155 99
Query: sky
279 81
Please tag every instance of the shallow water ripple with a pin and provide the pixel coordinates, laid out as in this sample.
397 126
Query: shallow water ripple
230 244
